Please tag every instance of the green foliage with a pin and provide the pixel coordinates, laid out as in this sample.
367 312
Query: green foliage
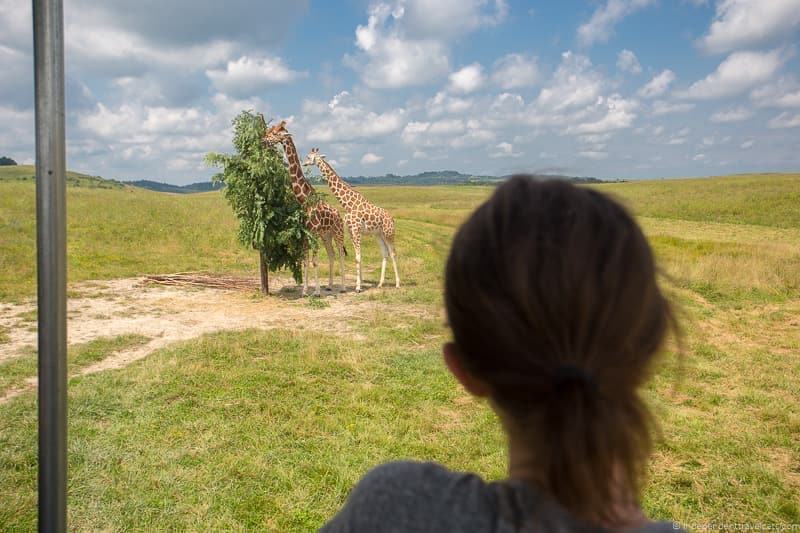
7 161
258 188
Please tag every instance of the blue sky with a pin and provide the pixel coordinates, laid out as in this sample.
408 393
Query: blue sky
607 88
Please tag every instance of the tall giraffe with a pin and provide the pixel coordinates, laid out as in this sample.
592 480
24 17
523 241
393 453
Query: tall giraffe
321 218
361 217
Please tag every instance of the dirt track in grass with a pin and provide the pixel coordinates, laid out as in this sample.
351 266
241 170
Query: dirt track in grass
167 314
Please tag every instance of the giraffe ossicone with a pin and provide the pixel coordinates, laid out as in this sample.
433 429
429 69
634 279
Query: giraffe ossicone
322 219
361 217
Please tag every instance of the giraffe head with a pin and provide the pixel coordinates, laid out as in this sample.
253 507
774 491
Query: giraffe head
314 157
276 134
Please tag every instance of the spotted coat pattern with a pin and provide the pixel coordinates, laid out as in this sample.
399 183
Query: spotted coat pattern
361 217
322 219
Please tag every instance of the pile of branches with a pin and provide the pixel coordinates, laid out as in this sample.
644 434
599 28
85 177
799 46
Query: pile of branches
206 280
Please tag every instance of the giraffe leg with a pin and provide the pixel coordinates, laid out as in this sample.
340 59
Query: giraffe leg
305 272
316 271
331 254
390 246
340 245
384 252
356 235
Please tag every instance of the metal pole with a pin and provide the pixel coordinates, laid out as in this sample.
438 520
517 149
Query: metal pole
48 47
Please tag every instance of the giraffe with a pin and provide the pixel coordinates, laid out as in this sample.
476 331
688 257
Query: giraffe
361 217
321 218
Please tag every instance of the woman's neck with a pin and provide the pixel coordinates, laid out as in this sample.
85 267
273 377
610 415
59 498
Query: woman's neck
522 466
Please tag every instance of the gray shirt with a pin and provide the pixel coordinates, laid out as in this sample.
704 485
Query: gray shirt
426 497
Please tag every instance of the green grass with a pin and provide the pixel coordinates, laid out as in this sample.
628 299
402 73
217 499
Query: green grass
14 371
760 199
269 430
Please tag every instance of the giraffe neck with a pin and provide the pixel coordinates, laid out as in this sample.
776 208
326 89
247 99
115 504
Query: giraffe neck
300 186
346 195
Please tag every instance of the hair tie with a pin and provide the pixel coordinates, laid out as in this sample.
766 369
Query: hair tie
569 373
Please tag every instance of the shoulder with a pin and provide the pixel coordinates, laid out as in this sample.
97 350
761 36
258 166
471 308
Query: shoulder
412 496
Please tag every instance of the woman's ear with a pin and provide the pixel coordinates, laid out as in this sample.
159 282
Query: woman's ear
472 384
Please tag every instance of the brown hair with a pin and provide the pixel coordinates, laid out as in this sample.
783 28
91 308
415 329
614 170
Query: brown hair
552 297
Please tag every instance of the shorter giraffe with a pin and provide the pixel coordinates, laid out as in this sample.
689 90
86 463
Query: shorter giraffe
321 218
361 217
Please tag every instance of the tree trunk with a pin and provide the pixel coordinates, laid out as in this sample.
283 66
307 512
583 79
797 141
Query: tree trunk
264 274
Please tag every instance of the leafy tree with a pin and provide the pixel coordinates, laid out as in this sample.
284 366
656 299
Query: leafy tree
7 162
258 188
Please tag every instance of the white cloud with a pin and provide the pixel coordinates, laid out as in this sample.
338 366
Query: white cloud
346 119
747 144
251 74
699 157
744 23
736 114
783 93
391 60
785 120
443 103
370 159
627 62
449 18
514 71
467 79
406 43
620 114
658 85
574 84
504 149
600 26
661 107
737 73
592 154
454 133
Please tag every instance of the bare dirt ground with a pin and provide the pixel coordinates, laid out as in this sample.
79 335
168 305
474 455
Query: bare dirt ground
167 314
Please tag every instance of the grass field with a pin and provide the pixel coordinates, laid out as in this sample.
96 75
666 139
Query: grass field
270 429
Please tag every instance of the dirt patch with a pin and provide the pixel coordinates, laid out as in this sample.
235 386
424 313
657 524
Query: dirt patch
168 314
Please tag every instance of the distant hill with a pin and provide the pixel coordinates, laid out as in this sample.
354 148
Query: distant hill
437 177
451 177
440 177
74 179
202 186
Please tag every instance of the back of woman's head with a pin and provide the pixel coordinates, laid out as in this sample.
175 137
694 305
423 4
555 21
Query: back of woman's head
552 297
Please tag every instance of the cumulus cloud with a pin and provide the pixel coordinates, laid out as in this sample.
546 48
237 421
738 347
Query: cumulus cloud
745 23
785 120
406 43
661 107
346 119
389 59
736 114
600 26
574 84
449 18
370 159
783 93
467 79
628 62
593 154
504 149
620 114
739 72
514 71
251 74
658 85
442 103
453 133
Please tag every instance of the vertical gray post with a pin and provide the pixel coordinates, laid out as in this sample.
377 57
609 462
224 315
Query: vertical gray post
48 48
